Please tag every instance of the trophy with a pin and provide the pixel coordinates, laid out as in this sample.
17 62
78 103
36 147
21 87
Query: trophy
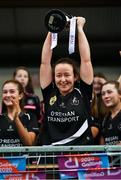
56 20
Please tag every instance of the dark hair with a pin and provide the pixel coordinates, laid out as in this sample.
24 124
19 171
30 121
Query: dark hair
20 89
29 88
101 75
116 83
67 61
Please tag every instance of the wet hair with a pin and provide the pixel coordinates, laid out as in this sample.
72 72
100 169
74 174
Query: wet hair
67 61
29 88
20 89
115 83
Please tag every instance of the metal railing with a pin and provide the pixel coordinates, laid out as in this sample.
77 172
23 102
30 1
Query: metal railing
45 157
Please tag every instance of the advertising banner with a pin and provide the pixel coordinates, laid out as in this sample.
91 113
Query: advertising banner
100 174
23 175
70 164
12 164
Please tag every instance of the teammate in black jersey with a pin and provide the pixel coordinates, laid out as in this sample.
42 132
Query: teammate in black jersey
111 126
16 127
32 102
67 95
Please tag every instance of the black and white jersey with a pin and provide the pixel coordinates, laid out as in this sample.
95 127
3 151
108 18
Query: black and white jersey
111 129
32 104
67 117
8 132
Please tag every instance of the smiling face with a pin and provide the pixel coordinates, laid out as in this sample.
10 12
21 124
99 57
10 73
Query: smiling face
110 95
64 78
10 92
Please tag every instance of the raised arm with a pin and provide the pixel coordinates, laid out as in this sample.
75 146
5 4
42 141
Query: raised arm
86 69
45 66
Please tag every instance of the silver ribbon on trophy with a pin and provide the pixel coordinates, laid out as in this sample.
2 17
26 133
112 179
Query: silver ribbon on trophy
54 40
55 22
